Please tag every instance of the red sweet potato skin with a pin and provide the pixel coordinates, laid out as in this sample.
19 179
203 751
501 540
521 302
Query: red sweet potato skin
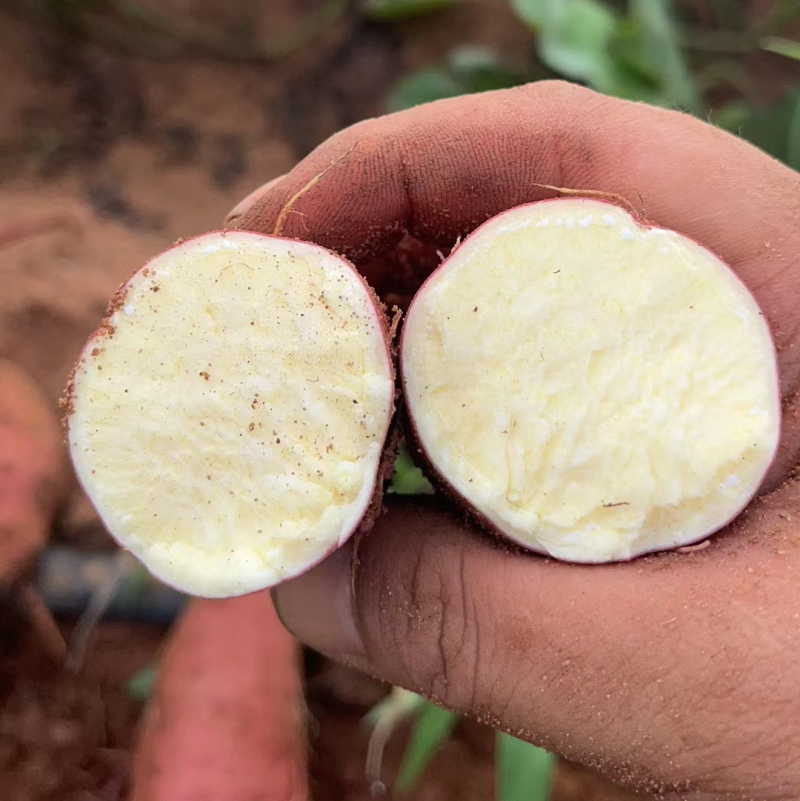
226 722
32 472
33 483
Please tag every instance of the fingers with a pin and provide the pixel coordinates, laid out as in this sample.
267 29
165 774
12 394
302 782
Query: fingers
439 170
648 670
254 197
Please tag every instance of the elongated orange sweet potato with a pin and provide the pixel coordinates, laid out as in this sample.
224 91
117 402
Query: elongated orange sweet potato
226 722
32 484
32 471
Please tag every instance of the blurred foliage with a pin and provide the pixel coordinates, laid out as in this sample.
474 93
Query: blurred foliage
140 686
636 56
775 129
408 479
431 729
640 54
404 9
467 70
524 772
781 46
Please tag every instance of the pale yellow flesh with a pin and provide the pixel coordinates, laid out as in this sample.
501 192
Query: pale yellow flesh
230 431
596 389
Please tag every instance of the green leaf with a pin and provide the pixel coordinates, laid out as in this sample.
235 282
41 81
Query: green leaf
660 40
523 771
781 46
423 87
629 50
468 69
732 116
635 75
140 686
480 69
782 13
577 44
793 138
390 10
776 129
432 728
408 479
539 15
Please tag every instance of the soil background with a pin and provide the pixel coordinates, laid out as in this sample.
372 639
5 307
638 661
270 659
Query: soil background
110 150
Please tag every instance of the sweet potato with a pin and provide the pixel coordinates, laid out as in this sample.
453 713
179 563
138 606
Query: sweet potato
226 722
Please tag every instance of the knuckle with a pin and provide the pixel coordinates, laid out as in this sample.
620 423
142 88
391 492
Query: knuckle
438 602
428 628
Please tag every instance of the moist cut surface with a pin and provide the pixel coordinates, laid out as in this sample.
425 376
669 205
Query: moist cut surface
229 421
594 388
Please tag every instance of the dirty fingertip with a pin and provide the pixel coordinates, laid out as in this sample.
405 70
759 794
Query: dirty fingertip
245 205
317 607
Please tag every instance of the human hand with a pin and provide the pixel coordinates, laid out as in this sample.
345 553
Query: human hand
677 673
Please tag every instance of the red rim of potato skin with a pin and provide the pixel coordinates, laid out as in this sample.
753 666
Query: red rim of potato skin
474 513
390 441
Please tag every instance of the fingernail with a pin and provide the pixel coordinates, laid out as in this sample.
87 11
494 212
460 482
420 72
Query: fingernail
240 208
317 607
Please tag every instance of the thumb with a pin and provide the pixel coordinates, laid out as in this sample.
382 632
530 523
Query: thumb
642 670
